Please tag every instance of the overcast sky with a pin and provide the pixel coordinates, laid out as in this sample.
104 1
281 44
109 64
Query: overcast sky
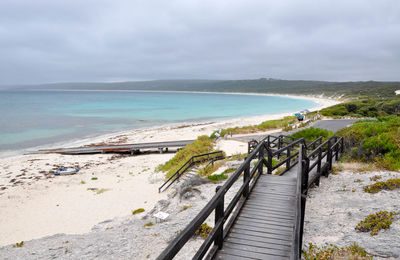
96 40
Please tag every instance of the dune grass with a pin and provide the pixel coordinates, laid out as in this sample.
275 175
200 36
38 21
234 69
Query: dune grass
266 125
203 144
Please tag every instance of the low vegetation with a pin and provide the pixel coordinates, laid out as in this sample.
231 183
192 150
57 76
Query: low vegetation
20 244
374 140
370 107
330 252
149 224
217 177
203 231
266 125
312 133
210 169
203 144
376 187
237 157
137 211
375 222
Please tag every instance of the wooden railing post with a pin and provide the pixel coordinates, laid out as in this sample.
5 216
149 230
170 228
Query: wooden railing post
341 145
279 146
288 158
337 149
329 155
261 158
304 189
219 214
246 176
269 162
319 161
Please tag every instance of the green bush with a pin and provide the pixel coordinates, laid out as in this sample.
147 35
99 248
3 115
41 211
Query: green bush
375 222
334 252
203 231
218 177
266 125
312 133
203 144
365 108
390 184
378 141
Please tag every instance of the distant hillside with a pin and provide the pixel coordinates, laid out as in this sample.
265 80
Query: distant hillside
263 85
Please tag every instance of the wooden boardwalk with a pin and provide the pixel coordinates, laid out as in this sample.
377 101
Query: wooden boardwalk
264 227
265 219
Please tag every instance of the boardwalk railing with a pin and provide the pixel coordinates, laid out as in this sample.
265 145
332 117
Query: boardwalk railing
218 155
294 151
331 149
224 216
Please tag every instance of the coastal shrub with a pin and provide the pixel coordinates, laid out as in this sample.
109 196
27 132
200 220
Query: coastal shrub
330 252
137 211
203 144
20 244
376 141
237 157
375 222
375 178
149 224
100 191
217 177
376 187
203 231
187 207
312 133
266 125
365 108
210 168
94 179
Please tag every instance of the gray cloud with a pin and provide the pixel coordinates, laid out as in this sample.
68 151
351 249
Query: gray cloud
98 40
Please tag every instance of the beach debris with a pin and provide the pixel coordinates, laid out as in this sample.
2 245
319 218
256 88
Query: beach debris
161 216
66 171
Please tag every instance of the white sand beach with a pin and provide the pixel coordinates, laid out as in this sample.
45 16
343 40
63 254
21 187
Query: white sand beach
35 203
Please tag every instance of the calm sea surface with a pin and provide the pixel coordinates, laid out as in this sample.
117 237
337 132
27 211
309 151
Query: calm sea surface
33 118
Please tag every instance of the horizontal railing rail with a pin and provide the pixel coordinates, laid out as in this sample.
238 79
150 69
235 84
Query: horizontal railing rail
188 164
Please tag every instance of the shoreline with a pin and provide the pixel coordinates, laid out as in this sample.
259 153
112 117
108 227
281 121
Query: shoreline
321 102
35 203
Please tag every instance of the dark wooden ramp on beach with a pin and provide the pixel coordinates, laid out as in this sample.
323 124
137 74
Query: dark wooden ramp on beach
120 148
264 227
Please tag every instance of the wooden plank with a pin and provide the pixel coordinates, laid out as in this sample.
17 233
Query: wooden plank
259 250
256 217
259 189
264 225
277 222
238 254
266 228
269 215
222 256
289 212
283 208
271 197
238 241
263 240
262 234
275 184
263 203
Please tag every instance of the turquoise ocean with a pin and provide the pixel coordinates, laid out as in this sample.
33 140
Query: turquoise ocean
39 118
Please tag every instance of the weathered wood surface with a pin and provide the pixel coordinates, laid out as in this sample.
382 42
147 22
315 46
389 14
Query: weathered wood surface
264 227
118 148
